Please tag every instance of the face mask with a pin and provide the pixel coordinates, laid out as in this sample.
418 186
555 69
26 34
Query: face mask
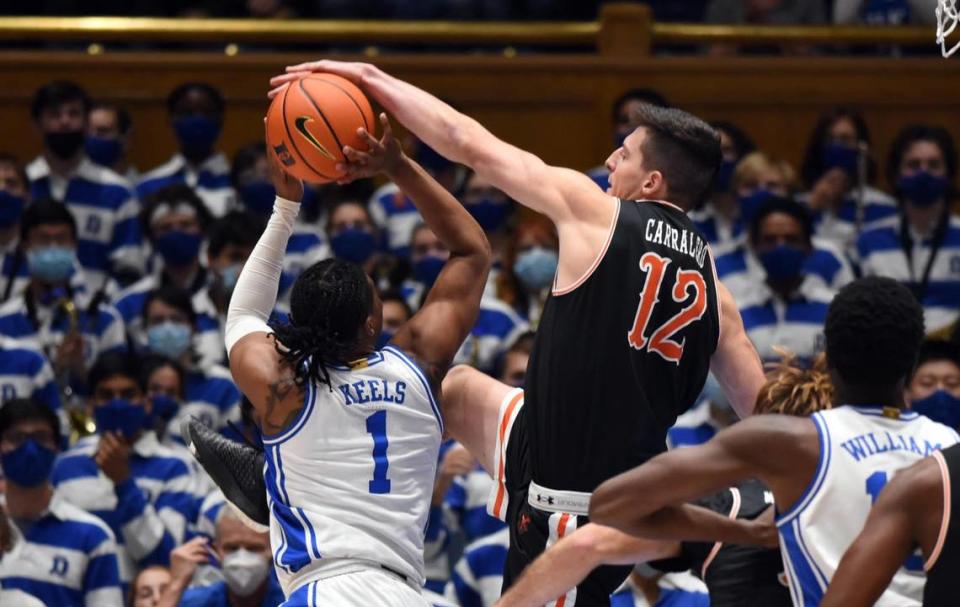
258 196
229 276
783 263
120 416
51 264
29 464
922 189
618 139
836 156
941 406
178 248
750 204
244 571
724 175
104 151
353 244
11 208
536 267
170 339
427 268
384 339
164 407
64 145
196 134
489 214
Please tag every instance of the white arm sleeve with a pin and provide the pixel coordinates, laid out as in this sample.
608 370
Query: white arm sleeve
256 290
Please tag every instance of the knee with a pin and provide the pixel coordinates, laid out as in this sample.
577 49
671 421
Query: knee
456 379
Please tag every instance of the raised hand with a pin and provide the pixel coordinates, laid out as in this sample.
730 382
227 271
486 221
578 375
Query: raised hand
352 71
284 184
382 156
113 457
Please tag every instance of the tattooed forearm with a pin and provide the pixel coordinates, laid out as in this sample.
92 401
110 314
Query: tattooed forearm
277 393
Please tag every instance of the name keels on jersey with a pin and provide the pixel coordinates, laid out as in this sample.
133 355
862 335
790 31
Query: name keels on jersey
372 391
680 240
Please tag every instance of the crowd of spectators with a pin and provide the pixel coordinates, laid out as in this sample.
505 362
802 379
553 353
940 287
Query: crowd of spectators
114 286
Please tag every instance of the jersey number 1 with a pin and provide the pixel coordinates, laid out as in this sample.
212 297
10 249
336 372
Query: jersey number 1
660 339
377 426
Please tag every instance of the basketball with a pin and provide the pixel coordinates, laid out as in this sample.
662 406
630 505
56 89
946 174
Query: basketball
311 120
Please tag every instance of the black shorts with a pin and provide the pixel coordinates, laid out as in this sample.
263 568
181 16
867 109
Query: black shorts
533 530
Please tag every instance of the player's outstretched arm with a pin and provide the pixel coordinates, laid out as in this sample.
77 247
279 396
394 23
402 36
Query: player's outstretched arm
908 512
560 194
736 364
569 561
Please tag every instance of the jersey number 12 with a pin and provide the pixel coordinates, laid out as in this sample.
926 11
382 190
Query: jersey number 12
660 340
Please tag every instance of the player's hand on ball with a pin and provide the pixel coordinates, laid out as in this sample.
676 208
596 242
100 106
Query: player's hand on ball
382 156
285 185
352 71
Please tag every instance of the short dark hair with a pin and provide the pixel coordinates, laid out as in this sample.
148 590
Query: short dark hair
56 93
329 302
397 297
123 116
208 89
115 363
910 135
648 96
175 297
29 409
812 168
18 168
938 349
682 147
174 193
150 362
873 331
238 228
245 158
741 141
46 211
787 206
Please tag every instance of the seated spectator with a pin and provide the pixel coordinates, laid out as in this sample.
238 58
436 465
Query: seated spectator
491 208
757 178
934 389
60 554
26 373
711 414
209 392
875 12
108 141
646 586
477 578
249 579
145 492
232 238
787 307
396 313
148 586
624 121
529 268
830 172
56 315
921 246
196 116
175 221
164 380
14 196
102 201
513 365
354 236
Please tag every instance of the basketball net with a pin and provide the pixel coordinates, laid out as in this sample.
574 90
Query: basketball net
947 18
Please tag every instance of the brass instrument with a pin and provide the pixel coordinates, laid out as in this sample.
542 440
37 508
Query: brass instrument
80 422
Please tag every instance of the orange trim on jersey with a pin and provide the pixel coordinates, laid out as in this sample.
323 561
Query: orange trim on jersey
596 262
716 292
945 520
561 530
501 484
734 511
664 203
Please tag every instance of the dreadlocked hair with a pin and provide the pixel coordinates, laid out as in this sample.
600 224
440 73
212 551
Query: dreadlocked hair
792 389
329 303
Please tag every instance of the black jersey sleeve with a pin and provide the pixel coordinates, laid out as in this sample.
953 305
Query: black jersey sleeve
694 554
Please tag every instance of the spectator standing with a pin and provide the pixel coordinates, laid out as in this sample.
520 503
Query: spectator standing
26 373
14 197
109 138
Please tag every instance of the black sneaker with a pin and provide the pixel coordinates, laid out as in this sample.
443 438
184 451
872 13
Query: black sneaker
234 467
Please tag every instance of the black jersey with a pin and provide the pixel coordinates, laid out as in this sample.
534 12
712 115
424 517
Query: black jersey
736 576
943 585
621 355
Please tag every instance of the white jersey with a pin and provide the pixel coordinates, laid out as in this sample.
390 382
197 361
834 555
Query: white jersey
860 451
352 477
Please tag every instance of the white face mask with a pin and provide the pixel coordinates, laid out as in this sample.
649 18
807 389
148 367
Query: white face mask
244 571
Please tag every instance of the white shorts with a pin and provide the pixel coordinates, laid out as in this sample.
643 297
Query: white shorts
357 589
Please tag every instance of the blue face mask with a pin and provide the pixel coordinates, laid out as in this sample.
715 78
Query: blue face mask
922 189
619 138
196 134
29 464
51 265
783 263
229 276
384 339
427 268
11 208
164 407
120 416
353 244
724 175
170 339
488 213
258 196
750 204
536 267
837 156
178 248
941 406
104 151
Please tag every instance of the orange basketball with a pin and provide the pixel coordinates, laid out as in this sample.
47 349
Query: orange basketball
311 120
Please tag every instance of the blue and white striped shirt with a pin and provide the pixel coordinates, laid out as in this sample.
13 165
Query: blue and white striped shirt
796 325
478 576
600 176
26 373
306 247
210 396
13 266
67 558
210 181
723 235
149 512
105 208
693 428
840 227
466 506
396 216
497 327
882 254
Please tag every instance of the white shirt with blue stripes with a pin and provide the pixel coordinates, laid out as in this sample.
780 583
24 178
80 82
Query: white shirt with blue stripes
210 181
